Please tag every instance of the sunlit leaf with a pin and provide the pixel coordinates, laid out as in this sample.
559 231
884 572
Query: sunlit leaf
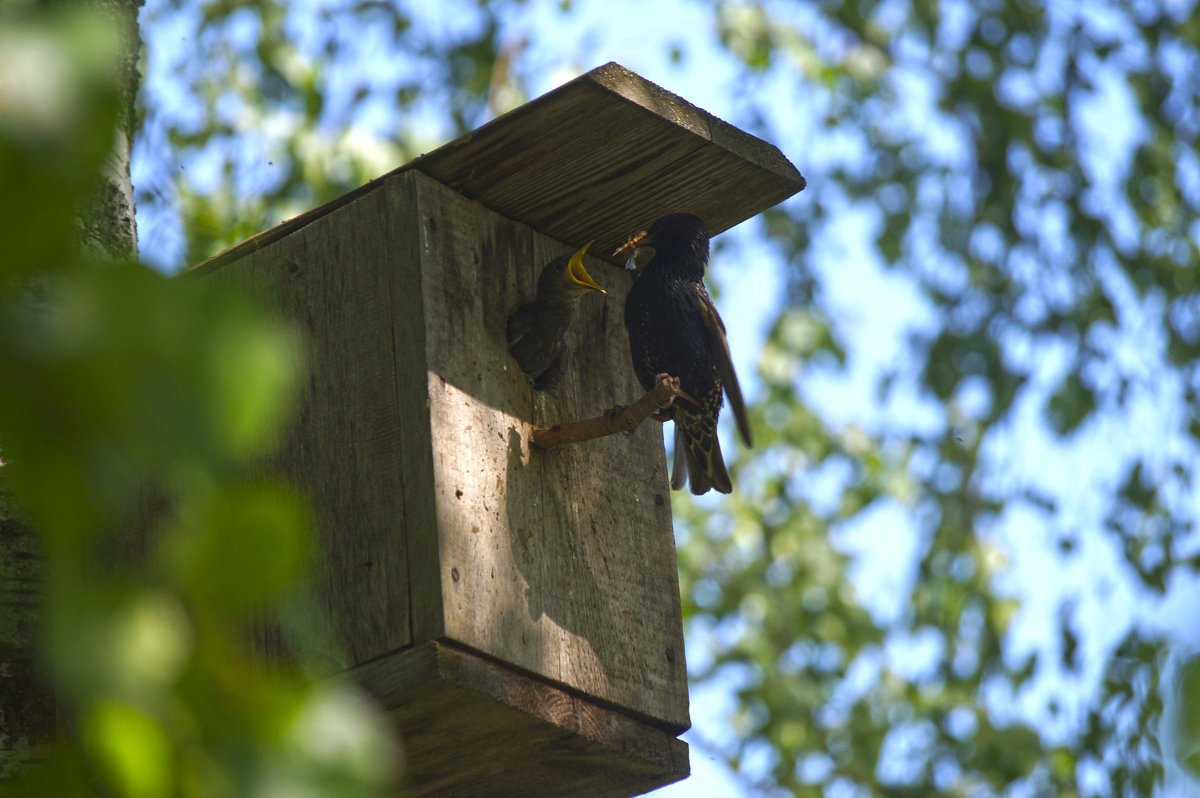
237 548
131 748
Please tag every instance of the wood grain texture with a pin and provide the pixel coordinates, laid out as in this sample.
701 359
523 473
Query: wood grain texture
359 444
596 158
558 562
472 726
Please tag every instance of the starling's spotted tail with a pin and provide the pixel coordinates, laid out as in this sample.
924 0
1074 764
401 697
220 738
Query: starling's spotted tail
696 439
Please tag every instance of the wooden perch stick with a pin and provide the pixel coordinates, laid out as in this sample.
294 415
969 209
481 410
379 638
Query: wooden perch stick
614 420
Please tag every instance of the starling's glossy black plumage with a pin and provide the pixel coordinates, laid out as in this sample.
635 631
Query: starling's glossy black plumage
537 330
675 329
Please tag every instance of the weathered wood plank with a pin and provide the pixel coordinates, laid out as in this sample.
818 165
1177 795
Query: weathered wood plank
559 562
594 159
355 447
419 525
451 705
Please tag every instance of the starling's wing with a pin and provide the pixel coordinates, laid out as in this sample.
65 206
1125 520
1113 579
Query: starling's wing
527 344
519 325
549 376
714 329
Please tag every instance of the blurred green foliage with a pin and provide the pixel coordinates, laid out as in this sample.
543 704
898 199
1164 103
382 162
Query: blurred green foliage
125 390
1027 232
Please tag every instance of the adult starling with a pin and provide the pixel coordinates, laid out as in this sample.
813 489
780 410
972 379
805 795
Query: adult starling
537 330
674 329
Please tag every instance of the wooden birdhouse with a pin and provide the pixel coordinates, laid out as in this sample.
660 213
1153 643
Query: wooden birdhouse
515 610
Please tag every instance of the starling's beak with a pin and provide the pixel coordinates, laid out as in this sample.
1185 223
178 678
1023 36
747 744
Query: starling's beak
577 274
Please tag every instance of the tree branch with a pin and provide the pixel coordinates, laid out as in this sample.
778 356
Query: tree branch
615 419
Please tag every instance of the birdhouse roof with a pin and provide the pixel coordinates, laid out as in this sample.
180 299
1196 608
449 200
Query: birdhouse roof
595 159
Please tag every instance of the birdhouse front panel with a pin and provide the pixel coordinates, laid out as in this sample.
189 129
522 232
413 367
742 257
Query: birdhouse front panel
560 562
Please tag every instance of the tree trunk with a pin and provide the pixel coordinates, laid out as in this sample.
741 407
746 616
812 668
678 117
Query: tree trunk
106 230
108 227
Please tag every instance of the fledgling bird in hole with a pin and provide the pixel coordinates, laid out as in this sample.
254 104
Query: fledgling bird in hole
537 330
674 329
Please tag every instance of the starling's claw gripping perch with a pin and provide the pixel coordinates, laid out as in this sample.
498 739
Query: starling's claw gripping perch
676 391
612 421
673 382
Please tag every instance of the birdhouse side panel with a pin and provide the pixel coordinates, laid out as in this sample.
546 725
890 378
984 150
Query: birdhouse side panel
356 435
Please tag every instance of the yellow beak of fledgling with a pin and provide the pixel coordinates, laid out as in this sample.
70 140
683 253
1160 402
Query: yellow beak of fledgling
576 274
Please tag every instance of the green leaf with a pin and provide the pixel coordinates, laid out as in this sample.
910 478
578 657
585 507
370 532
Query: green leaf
1070 405
131 748
236 549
